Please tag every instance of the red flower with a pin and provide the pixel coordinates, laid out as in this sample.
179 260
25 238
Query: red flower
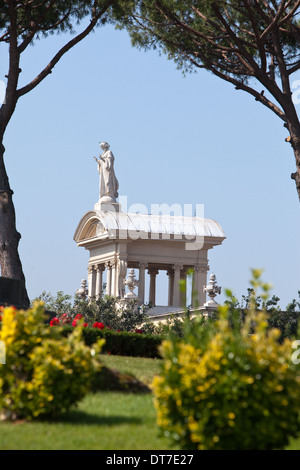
0 318
74 322
54 321
85 325
98 325
139 331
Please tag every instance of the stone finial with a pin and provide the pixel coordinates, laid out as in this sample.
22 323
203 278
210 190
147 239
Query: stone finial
83 291
131 283
212 290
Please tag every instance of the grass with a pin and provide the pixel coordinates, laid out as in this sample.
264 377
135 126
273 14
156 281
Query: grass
102 421
143 369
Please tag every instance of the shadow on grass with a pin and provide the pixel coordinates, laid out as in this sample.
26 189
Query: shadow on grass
80 417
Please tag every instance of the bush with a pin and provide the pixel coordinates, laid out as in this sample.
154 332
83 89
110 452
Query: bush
124 316
286 322
122 343
113 313
45 373
59 304
228 385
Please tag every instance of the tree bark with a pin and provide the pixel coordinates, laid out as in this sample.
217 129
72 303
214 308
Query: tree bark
296 175
293 126
11 266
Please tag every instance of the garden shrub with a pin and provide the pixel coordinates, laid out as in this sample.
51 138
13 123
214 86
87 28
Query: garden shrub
287 322
122 343
124 316
45 373
228 385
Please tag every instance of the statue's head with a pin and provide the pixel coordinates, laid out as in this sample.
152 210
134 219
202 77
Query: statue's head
104 145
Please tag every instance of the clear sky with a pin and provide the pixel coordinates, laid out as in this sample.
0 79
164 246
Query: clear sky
187 140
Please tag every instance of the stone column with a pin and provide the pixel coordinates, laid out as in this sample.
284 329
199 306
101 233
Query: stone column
153 273
199 281
195 286
170 274
183 293
90 281
108 280
113 278
176 292
122 271
99 280
202 281
141 289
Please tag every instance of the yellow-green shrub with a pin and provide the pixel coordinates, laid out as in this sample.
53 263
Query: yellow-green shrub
227 386
45 373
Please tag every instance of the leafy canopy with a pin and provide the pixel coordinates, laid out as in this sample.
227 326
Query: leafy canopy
45 17
236 40
206 33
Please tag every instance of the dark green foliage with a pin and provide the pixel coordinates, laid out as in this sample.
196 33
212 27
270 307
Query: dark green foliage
173 326
48 17
122 343
211 34
59 305
126 316
286 322
294 305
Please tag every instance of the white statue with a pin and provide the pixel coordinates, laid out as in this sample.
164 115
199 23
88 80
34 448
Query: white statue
108 182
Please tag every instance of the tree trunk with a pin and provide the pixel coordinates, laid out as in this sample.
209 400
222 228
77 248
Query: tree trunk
10 262
294 128
293 125
296 176
295 142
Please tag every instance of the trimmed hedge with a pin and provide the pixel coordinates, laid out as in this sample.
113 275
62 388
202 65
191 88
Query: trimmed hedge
122 343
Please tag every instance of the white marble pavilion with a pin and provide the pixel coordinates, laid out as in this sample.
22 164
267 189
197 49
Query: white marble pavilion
149 243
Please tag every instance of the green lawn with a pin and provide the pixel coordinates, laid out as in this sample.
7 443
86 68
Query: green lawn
143 369
105 420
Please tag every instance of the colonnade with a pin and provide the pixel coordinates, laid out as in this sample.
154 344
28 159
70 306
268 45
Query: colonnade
116 271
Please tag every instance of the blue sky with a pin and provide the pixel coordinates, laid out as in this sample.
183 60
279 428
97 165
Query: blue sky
176 139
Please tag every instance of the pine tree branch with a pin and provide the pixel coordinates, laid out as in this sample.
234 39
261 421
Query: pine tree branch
48 69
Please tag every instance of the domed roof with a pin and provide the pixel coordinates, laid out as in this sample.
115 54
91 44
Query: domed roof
118 224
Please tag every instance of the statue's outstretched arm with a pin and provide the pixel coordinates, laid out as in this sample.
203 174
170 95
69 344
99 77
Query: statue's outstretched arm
100 158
